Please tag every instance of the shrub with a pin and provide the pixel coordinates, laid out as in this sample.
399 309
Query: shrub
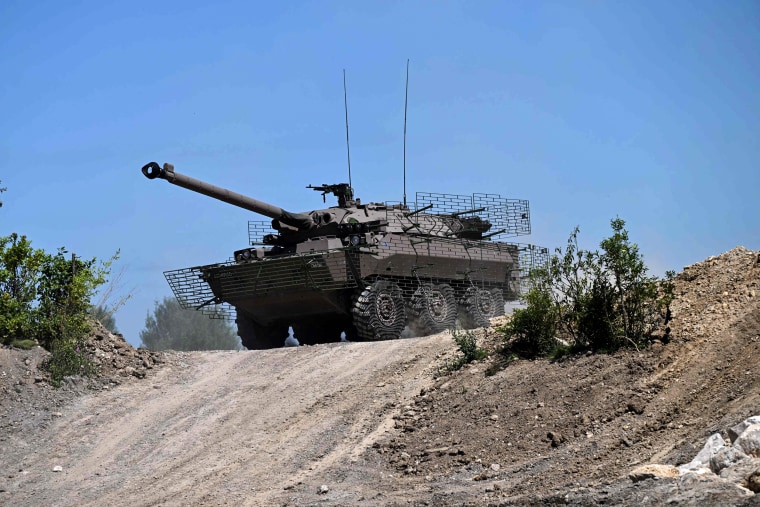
467 344
534 328
23 344
64 294
599 300
47 298
68 357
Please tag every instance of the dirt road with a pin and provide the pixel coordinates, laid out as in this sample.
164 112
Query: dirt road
230 428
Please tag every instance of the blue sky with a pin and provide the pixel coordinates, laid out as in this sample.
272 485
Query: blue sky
647 110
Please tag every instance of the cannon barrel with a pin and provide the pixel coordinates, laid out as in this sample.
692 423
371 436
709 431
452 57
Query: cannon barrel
152 171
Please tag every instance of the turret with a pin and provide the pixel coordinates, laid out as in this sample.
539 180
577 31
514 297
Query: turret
301 221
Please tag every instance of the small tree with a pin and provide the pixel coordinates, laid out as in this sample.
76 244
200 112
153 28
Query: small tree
64 293
599 300
47 298
535 326
173 327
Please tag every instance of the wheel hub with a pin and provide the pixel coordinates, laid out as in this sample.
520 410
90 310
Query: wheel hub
437 306
485 303
386 308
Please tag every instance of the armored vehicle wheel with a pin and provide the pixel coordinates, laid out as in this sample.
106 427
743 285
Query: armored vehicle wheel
257 337
476 308
379 312
433 309
312 332
498 302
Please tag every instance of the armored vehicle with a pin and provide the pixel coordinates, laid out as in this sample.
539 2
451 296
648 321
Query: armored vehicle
360 271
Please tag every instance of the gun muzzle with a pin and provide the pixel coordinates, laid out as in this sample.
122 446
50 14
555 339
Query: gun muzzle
151 170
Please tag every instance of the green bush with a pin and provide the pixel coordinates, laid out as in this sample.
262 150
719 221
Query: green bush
64 294
467 344
597 300
534 328
23 344
46 298
68 355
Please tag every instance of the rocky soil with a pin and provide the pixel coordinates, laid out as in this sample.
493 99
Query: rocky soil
27 400
384 424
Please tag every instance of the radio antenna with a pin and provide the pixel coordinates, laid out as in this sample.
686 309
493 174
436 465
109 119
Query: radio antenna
348 149
406 102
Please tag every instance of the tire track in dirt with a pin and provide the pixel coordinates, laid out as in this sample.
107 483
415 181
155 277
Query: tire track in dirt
233 428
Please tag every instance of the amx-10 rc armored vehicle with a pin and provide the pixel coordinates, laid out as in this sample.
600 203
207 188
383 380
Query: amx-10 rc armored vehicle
363 271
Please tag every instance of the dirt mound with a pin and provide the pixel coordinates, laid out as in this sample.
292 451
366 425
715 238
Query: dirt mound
583 421
28 401
114 358
712 295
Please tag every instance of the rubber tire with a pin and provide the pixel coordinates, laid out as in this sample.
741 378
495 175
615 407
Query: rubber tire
476 308
498 302
255 336
433 309
379 312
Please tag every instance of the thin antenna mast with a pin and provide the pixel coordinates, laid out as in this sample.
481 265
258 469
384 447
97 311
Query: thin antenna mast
406 102
348 149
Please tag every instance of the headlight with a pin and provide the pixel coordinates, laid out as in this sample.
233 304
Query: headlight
356 240
246 254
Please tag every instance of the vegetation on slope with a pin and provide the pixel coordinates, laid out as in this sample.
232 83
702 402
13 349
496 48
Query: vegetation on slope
600 300
45 299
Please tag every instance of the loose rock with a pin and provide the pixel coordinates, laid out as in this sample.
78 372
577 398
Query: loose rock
652 471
